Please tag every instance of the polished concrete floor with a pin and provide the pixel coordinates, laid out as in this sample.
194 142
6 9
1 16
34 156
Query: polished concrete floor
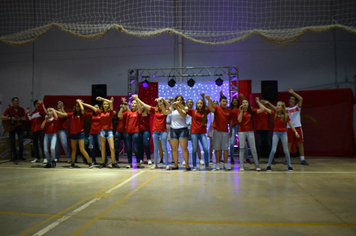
319 199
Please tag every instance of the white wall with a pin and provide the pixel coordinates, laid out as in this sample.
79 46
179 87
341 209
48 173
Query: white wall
67 65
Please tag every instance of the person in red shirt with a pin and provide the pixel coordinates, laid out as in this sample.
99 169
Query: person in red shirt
281 119
210 133
245 118
77 131
36 118
50 127
132 131
12 122
222 121
62 134
159 129
145 135
120 128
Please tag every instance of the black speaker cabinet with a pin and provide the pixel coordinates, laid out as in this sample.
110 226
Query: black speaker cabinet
269 90
97 90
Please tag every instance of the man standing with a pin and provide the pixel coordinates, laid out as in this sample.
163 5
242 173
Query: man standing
12 122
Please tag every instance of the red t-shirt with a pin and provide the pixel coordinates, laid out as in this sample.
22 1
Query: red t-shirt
36 118
51 126
159 120
234 113
122 123
106 119
77 123
247 122
145 123
197 120
132 122
262 121
19 112
222 118
279 124
62 123
95 123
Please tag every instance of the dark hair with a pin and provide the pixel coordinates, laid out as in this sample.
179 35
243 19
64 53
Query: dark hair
296 99
13 99
34 102
232 105
176 98
222 97
75 110
249 109
203 110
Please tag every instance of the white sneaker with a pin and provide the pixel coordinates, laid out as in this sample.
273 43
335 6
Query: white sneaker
167 167
149 162
194 169
201 162
44 161
154 167
258 168
227 166
183 163
242 168
55 160
34 161
217 166
141 162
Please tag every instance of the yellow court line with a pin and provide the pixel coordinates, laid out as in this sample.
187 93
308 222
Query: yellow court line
113 206
73 206
28 214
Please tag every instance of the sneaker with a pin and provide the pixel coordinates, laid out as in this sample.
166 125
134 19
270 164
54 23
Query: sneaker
201 162
44 161
36 160
248 161
54 164
208 168
194 169
48 166
69 161
232 161
217 166
290 168
55 160
183 163
269 168
91 166
303 162
227 166
128 166
102 165
138 165
149 162
141 162
72 166
258 168
152 167
242 168
211 163
167 167
115 165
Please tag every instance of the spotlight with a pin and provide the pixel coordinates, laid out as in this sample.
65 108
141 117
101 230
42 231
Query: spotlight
145 83
219 82
191 82
171 83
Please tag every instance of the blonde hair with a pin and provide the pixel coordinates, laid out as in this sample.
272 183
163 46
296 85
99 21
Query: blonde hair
284 115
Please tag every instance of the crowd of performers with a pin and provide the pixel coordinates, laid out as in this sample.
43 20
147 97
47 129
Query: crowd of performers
174 120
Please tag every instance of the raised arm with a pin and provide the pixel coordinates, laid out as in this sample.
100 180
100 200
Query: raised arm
148 107
55 116
300 99
269 105
210 103
62 114
261 107
90 106
106 100
180 110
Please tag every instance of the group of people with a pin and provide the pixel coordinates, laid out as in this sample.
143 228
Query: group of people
174 120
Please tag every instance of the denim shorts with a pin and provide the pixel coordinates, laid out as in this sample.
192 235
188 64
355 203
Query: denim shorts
182 133
106 133
77 136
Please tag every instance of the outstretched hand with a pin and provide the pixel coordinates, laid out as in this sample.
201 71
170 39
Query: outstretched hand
207 96
134 96
257 99
290 90
28 110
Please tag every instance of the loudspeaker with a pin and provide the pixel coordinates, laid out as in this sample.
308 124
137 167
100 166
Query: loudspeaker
269 90
97 90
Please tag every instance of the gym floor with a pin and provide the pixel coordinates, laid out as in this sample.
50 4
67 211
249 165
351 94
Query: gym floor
318 199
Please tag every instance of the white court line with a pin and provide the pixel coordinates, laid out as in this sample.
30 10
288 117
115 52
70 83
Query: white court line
67 216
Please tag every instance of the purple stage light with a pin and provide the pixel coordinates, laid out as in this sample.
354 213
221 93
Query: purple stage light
145 83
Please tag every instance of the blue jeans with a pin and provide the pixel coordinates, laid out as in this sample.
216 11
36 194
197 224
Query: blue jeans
284 140
38 136
119 136
204 142
145 137
50 139
156 136
262 136
234 131
135 138
250 136
62 140
12 135
92 139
